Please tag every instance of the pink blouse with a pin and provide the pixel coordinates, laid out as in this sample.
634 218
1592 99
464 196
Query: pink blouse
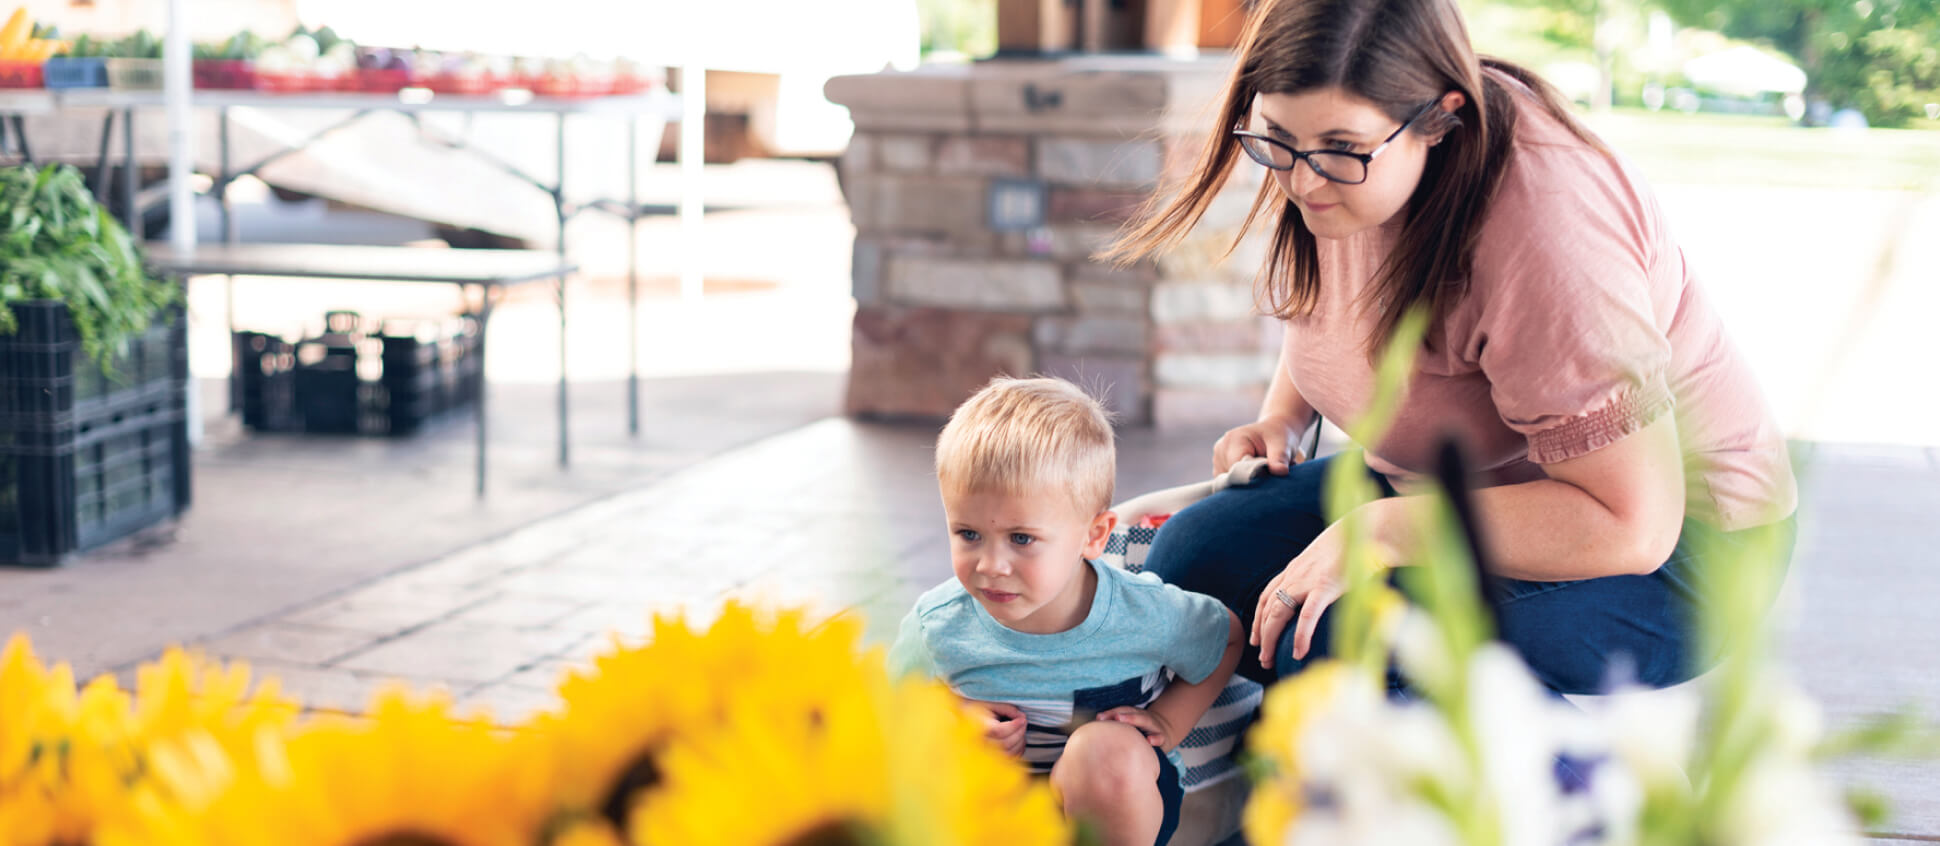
1581 325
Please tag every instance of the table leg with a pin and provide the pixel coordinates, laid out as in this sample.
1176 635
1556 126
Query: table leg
632 275
20 136
131 176
230 234
559 205
484 319
102 160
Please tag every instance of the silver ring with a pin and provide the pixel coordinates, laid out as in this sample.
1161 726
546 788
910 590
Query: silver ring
1281 595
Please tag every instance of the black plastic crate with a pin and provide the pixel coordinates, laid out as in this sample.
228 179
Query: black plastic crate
44 374
70 490
87 457
353 379
266 369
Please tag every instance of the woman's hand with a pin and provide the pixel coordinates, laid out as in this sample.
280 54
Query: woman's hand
1313 581
1003 724
1269 437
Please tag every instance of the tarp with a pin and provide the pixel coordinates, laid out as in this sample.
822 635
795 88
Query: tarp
1746 72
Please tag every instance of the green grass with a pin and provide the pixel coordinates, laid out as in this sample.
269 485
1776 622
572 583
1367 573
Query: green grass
1709 149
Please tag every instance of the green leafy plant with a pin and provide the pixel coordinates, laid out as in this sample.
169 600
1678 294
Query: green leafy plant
57 243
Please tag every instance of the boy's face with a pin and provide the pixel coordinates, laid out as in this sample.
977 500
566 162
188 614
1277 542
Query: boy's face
1023 555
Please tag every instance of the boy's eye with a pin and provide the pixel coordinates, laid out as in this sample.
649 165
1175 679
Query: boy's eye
969 535
1021 539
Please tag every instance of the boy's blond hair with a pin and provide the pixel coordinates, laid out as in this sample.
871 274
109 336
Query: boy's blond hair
1016 435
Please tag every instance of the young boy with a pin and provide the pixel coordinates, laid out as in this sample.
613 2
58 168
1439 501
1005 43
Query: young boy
1070 657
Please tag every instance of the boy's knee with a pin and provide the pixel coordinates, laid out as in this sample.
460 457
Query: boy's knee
1104 762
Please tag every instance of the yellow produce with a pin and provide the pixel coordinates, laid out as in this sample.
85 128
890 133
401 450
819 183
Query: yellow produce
14 36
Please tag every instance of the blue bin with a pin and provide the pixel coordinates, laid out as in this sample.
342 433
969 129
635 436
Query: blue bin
67 72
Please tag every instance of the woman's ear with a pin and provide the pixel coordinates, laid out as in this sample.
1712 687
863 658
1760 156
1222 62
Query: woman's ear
1451 103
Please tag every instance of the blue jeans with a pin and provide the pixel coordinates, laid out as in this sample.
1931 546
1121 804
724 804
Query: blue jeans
1573 634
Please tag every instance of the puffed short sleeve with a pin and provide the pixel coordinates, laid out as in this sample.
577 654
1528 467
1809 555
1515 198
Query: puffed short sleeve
1566 325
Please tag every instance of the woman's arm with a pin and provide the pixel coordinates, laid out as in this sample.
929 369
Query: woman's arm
1283 400
1284 414
1616 511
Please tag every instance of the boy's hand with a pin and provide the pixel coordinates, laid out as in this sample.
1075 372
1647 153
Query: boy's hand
1154 726
1003 725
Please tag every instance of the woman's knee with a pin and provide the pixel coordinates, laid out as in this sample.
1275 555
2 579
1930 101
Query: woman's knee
1231 541
1104 761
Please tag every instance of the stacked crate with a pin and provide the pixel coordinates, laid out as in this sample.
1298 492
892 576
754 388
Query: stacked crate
88 454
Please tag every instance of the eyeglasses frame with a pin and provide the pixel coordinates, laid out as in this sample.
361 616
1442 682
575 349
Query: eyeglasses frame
1366 159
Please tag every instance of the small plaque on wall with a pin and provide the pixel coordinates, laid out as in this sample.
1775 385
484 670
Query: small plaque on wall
1016 204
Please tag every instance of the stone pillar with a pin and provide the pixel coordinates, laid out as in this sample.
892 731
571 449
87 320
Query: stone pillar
979 195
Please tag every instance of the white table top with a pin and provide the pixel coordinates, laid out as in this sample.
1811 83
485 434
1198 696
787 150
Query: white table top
37 101
334 261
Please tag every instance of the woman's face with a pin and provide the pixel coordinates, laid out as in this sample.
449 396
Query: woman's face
1333 119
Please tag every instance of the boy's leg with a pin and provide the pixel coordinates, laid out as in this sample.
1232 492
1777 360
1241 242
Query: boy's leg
1108 778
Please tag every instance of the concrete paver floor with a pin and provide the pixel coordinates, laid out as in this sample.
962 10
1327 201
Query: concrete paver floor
838 514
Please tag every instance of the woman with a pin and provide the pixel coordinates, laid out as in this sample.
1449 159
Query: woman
1569 350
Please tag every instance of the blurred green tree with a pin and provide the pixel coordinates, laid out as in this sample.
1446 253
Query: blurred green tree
1877 56
965 27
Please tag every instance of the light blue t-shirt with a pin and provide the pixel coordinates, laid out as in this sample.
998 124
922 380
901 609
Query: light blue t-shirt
1137 630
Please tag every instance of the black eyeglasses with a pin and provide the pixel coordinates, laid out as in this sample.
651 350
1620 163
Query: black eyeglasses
1334 165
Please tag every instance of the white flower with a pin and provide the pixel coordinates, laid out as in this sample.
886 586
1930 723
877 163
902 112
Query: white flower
1782 802
1652 732
1518 728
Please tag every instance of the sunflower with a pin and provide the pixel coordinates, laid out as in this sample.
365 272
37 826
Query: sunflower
618 714
88 754
412 772
65 757
183 692
885 762
37 709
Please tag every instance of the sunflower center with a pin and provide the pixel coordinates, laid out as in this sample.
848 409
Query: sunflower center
833 833
404 838
639 775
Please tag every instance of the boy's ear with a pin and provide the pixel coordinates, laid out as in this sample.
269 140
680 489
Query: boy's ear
1101 527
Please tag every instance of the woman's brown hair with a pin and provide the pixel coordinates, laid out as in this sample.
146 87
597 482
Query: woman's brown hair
1399 55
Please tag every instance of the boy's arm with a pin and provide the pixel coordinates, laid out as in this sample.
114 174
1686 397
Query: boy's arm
1179 707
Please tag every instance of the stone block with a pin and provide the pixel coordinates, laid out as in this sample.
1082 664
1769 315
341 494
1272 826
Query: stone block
1190 302
1087 162
1094 296
905 152
1050 91
865 271
1199 408
1118 382
1091 334
1095 205
947 205
923 362
934 99
984 155
1257 334
1060 99
1216 371
988 284
1075 241
859 157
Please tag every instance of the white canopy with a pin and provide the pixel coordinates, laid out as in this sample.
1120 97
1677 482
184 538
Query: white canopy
1745 71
